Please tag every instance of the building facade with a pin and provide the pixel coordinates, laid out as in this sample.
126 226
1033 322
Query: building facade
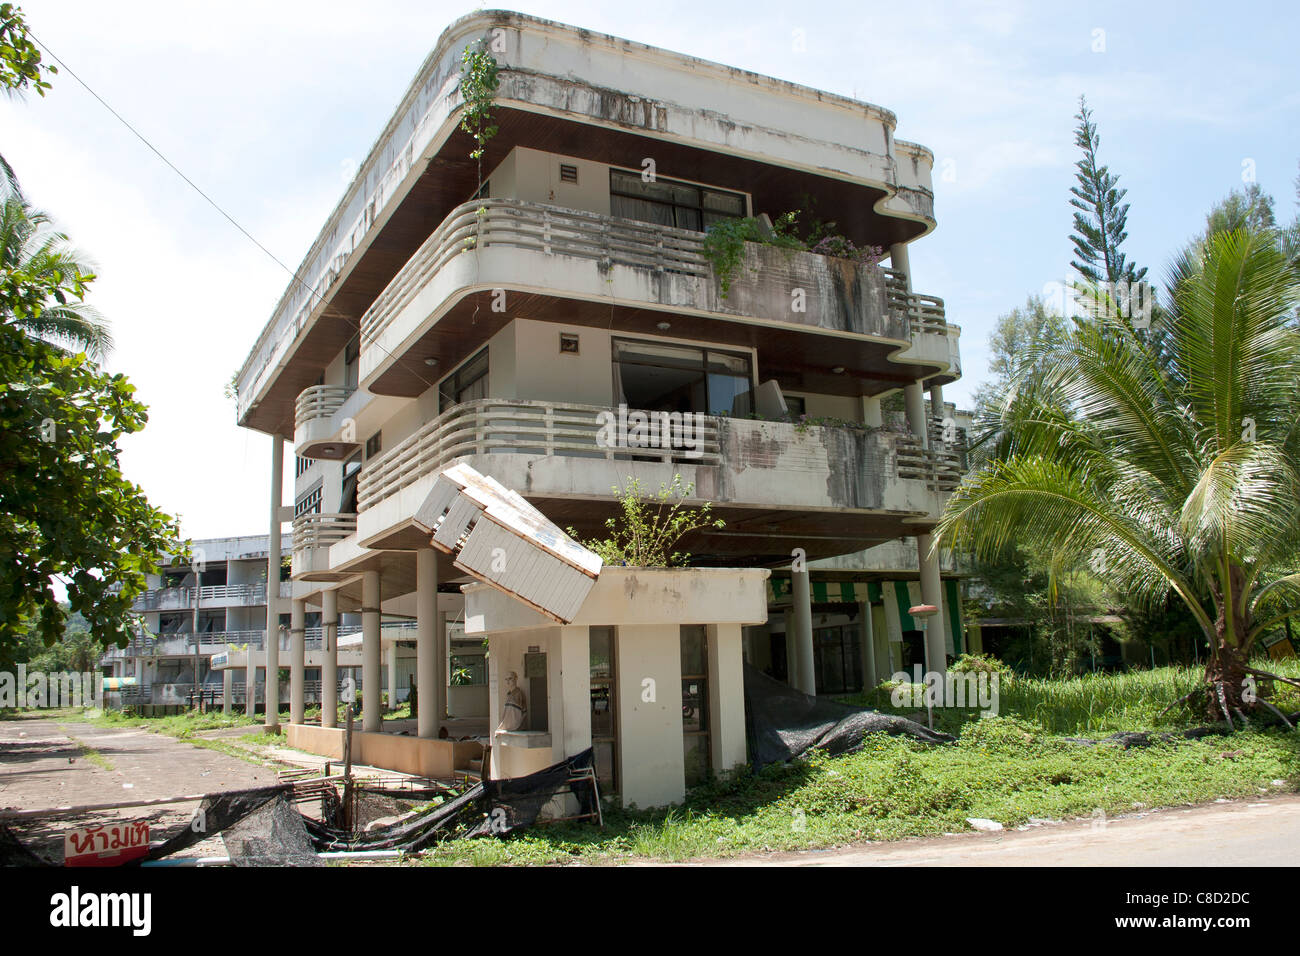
219 594
555 317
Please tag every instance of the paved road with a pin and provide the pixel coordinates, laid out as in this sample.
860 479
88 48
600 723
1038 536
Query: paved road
43 765
1263 832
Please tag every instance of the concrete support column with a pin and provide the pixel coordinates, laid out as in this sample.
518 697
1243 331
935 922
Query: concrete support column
297 661
871 414
652 765
932 593
805 674
273 588
936 401
869 676
391 658
726 696
426 644
914 403
329 668
569 676
227 691
898 260
250 681
371 712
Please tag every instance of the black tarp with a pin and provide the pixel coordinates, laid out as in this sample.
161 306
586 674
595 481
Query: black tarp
784 723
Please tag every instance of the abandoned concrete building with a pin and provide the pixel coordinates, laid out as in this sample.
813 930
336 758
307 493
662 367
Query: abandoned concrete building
508 313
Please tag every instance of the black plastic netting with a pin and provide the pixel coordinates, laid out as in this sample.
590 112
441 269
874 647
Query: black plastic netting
272 835
784 723
215 814
490 808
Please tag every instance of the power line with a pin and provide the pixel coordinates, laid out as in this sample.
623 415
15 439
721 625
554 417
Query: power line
212 202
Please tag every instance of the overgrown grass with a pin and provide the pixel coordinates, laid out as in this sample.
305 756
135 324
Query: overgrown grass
1001 769
1095 705
1009 768
174 725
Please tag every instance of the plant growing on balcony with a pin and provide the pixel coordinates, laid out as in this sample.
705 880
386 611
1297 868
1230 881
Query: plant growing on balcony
649 526
478 88
724 243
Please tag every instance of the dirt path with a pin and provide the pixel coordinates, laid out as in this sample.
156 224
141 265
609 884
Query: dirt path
1263 832
44 763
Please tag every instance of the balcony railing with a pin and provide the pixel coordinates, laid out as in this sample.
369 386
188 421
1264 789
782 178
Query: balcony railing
608 240
925 313
180 643
321 529
489 426
546 229
179 599
319 401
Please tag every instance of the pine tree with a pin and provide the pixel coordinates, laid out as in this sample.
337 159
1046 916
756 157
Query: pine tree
1102 215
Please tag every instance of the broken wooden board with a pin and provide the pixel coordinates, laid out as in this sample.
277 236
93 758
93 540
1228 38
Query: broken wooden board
496 536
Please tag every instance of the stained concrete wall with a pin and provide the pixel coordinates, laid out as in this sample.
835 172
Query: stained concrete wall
651 763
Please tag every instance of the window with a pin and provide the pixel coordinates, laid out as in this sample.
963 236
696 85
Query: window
467 383
695 703
604 741
795 405
837 659
568 173
351 365
309 503
348 487
374 444
668 202
675 378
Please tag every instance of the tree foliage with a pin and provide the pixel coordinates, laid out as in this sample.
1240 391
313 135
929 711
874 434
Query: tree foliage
43 282
649 527
1175 470
1101 215
66 509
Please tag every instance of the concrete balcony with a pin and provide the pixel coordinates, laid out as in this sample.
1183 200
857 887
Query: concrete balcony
582 268
222 595
828 489
561 87
313 536
319 430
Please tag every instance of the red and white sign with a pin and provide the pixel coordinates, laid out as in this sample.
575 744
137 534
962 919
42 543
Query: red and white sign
108 845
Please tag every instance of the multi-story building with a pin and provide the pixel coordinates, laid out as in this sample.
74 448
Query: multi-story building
504 313
219 594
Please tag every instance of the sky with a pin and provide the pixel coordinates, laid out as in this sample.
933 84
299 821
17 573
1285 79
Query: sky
270 106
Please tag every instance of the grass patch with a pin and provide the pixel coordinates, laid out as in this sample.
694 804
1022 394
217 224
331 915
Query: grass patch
1093 705
1000 769
173 725
90 753
1008 768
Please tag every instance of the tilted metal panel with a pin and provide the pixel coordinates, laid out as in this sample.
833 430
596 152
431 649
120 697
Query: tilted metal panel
460 518
498 556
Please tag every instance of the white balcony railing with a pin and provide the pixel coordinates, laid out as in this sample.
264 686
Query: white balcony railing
319 401
608 240
490 426
321 529
547 229
925 313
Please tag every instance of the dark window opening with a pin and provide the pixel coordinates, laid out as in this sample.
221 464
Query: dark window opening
668 202
675 378
467 383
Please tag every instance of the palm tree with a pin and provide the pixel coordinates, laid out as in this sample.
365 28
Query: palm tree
1170 468
43 279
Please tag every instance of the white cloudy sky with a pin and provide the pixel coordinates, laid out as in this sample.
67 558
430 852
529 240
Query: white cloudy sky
268 106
